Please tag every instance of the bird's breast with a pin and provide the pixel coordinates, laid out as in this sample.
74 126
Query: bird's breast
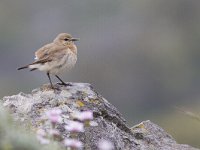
69 60
66 62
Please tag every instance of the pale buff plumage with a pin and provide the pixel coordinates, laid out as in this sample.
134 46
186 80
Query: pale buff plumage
55 57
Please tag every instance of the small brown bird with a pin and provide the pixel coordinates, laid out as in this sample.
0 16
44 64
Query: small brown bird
55 57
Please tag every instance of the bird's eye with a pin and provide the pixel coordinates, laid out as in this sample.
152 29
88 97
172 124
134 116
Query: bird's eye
66 39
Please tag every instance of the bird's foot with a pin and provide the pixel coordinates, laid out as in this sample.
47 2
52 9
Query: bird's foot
65 84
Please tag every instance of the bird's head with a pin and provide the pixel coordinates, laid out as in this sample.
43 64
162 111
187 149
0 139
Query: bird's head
65 39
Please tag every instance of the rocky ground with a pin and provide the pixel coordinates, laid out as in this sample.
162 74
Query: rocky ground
108 123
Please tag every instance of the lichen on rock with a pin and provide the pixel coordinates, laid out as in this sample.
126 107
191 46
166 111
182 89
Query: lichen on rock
107 124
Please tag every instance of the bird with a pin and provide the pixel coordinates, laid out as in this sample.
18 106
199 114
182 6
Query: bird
55 58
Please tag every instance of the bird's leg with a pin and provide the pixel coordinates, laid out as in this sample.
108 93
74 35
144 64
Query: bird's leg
62 82
50 80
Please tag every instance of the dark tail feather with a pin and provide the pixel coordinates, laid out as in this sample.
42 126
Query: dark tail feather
33 69
41 61
22 68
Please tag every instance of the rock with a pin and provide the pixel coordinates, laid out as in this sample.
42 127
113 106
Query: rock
108 123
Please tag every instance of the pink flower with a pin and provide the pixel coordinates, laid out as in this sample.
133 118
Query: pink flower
75 126
73 143
41 132
105 145
54 132
54 115
43 140
84 116
41 137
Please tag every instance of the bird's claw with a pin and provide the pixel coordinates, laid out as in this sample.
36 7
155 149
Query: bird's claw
65 84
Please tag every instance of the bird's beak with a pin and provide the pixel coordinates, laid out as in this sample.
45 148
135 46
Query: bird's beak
75 39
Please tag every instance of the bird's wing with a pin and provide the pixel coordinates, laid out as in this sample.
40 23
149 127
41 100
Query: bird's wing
43 51
51 55
41 61
49 49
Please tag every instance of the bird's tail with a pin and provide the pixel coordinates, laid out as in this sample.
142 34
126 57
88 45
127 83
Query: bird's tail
32 65
27 66
24 67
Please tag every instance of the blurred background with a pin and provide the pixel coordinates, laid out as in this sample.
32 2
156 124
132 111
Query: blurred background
143 56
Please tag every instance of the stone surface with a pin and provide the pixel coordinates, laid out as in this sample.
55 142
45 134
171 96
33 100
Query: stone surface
108 122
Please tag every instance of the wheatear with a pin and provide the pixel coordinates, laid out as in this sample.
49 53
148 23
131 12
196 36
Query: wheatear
55 57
